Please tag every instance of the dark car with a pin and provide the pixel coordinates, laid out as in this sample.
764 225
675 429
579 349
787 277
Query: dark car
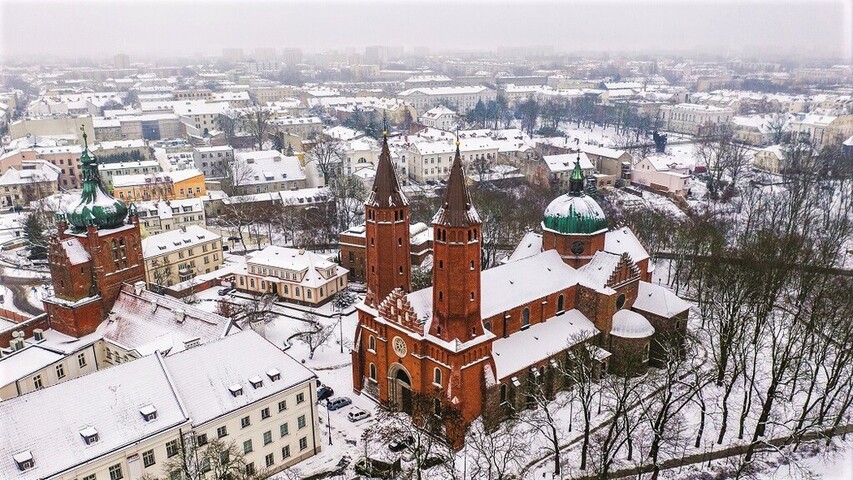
338 403
225 291
324 392
400 444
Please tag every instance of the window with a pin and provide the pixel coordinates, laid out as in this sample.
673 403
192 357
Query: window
60 371
247 446
205 465
222 432
284 430
265 413
37 382
269 459
285 452
201 440
300 422
115 472
282 405
436 376
250 468
373 372
303 443
81 360
503 393
371 343
561 300
172 448
436 407
620 301
89 477
300 397
245 422
148 458
267 438
525 318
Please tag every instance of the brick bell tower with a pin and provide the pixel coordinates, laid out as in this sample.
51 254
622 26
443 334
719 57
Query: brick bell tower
387 262
456 263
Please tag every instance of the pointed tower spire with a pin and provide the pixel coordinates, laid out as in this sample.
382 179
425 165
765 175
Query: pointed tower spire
386 190
577 178
456 210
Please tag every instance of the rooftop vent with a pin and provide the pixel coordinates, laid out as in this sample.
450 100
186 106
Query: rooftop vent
24 460
274 374
148 412
236 390
256 382
193 342
90 435
38 334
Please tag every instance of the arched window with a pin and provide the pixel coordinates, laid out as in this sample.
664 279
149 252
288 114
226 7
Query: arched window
487 326
436 376
440 296
472 264
441 264
472 296
373 372
525 318
561 300
371 343
436 407
399 242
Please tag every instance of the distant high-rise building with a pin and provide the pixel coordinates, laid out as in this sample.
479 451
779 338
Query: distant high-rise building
291 56
264 54
121 61
232 54
374 54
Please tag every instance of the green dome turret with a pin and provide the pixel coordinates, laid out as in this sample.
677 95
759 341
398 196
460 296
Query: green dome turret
96 206
574 212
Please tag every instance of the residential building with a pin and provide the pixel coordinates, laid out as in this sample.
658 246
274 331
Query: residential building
133 167
663 174
213 161
607 161
266 171
159 216
66 127
295 275
557 169
771 159
175 185
460 99
439 117
431 161
66 158
304 127
822 130
35 180
177 255
695 119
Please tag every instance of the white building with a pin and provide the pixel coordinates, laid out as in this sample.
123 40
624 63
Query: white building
439 117
264 404
213 161
35 180
695 119
662 174
431 161
295 275
460 98
266 171
159 216
142 167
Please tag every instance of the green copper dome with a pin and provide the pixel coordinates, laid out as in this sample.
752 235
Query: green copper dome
574 212
96 206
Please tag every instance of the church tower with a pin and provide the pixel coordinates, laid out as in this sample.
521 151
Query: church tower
94 252
388 262
457 263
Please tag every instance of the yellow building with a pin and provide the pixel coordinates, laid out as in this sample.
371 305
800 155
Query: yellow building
176 185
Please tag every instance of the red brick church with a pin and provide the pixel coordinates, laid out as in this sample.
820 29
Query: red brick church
476 334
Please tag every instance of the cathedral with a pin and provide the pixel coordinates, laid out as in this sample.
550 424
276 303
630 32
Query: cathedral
477 336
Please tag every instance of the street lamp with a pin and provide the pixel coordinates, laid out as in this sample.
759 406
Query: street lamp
341 328
329 421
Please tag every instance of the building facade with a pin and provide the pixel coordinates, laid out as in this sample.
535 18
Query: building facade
178 255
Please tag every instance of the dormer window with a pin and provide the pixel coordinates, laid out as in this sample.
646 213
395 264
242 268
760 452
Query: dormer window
90 435
148 412
256 382
274 375
24 460
236 390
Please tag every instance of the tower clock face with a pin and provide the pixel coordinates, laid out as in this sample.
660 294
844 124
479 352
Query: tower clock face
577 247
399 347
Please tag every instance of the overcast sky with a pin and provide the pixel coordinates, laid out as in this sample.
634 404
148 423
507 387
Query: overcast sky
183 27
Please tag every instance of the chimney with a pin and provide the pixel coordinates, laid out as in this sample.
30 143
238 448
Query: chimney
38 334
138 287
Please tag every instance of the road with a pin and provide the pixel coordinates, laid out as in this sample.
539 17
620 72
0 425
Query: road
18 286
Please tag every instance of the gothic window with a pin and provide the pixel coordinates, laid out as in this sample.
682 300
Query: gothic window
373 372
436 376
525 318
371 343
560 303
620 302
503 393
487 326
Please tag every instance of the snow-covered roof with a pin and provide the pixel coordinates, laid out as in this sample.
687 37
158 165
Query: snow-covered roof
623 240
75 251
203 375
145 322
47 422
307 264
658 300
444 91
600 267
540 341
166 209
628 324
175 176
174 240
269 166
530 244
438 111
24 362
566 162
602 151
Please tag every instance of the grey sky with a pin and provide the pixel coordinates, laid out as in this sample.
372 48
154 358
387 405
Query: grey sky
85 28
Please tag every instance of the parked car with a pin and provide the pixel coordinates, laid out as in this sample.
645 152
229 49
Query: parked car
400 444
324 392
357 414
225 291
338 403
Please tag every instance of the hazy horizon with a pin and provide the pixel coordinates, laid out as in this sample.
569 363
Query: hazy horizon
806 29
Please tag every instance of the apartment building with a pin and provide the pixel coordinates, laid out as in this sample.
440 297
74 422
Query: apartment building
431 161
439 117
266 171
295 275
213 161
35 180
461 99
163 407
141 167
176 185
695 119
303 127
66 158
175 256
163 215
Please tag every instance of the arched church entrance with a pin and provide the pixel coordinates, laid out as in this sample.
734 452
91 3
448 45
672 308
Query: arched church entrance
400 387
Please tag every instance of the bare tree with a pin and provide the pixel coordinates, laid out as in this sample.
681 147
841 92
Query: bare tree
314 335
257 122
498 451
328 154
214 459
230 122
349 192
